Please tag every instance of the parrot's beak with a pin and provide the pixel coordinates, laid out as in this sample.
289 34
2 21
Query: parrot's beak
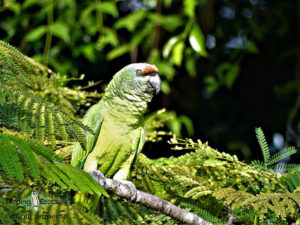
154 84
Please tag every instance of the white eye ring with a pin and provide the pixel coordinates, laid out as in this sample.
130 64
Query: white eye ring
139 72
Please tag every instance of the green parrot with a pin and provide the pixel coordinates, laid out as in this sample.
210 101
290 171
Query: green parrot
118 122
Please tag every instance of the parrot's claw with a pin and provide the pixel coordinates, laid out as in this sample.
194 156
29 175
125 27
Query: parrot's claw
98 177
132 188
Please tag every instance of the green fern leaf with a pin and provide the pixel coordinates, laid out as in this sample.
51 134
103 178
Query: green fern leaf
29 157
40 161
263 144
9 160
281 155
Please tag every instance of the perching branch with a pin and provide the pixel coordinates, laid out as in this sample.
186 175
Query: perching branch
142 198
231 217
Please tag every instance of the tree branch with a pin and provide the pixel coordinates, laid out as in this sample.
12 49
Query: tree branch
231 217
148 200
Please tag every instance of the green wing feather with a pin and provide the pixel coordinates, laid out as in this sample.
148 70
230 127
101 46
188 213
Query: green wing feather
93 118
141 142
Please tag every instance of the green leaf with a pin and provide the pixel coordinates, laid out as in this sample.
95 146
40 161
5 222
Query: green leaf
140 35
89 52
9 160
108 8
29 3
29 158
118 51
188 124
177 53
131 21
175 126
197 40
281 155
190 66
212 83
165 88
61 30
169 45
189 7
169 22
252 48
36 34
263 144
109 36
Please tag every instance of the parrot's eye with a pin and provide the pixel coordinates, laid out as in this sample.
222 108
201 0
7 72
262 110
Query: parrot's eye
139 72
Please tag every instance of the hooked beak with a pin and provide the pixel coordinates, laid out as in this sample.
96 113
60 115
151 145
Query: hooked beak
153 84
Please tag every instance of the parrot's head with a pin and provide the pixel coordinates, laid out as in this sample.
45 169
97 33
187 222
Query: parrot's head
137 80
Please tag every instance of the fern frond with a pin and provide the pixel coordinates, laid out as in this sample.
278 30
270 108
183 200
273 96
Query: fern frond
38 118
281 204
23 110
281 155
10 160
39 163
258 164
292 179
263 144
286 167
58 212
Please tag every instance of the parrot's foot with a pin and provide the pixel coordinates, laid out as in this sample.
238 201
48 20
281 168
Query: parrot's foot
131 186
98 177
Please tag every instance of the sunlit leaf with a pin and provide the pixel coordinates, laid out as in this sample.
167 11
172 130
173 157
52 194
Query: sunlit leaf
36 34
189 7
197 40
169 45
89 52
177 53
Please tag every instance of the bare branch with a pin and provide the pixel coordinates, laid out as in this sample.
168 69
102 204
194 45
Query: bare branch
148 200
231 217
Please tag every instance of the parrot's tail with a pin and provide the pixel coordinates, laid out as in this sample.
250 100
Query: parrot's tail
91 202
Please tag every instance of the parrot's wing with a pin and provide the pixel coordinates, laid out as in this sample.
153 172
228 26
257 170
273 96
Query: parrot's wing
141 142
124 171
93 118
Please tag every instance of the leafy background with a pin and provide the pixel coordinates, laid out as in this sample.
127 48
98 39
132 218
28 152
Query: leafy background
227 66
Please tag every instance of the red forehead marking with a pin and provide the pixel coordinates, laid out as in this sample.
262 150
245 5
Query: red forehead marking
150 69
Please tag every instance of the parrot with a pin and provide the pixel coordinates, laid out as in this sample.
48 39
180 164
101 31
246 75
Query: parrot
118 124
